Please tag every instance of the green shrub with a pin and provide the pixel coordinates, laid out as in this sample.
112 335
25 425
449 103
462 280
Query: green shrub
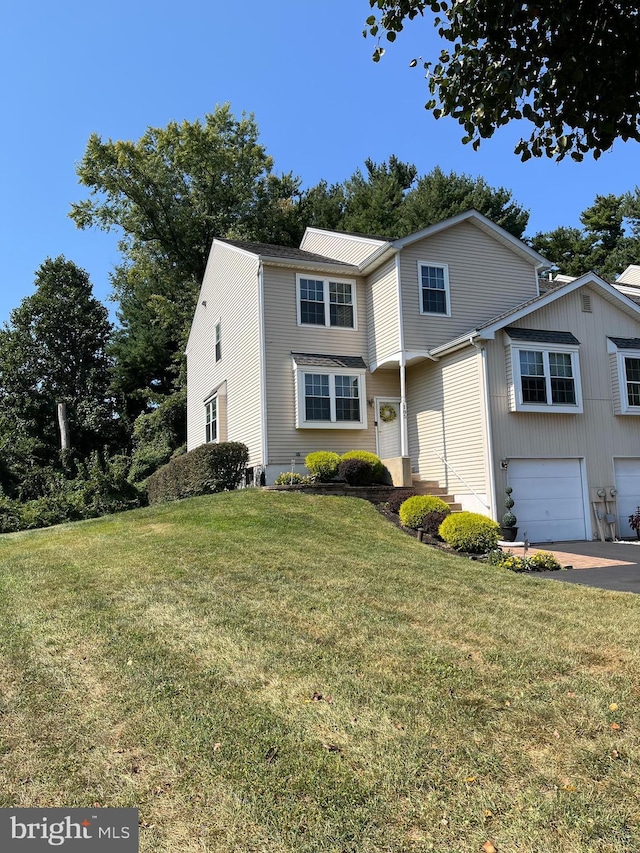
542 561
293 478
356 472
379 470
157 436
470 531
396 499
323 464
10 518
413 511
205 470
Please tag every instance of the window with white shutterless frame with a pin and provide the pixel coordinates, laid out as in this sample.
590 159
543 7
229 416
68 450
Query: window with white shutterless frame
433 287
330 398
326 301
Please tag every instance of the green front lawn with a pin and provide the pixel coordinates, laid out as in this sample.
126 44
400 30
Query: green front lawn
282 672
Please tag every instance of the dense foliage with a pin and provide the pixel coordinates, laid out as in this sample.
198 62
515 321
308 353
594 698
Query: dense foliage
379 471
205 470
356 472
470 532
568 68
323 464
425 511
54 350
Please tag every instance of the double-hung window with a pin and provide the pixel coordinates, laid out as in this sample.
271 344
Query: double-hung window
626 352
545 373
211 419
330 394
433 280
326 302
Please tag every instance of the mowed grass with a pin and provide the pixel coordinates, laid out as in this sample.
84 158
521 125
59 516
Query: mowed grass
168 658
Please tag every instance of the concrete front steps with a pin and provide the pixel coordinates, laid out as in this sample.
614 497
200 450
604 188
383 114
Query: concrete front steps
433 487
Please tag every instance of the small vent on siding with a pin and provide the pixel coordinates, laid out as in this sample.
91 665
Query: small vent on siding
586 302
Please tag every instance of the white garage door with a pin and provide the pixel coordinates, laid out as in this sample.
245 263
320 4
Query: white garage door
549 499
627 473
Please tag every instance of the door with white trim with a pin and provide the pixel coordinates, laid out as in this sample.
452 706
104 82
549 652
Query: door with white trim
388 426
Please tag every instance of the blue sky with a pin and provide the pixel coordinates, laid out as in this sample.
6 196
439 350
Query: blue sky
303 69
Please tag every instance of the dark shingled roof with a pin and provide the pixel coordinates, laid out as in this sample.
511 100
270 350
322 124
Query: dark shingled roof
315 360
271 251
626 343
542 336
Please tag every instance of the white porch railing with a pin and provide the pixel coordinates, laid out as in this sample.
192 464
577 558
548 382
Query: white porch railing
462 480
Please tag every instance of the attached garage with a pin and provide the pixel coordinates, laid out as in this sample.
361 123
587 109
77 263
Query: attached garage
627 475
549 499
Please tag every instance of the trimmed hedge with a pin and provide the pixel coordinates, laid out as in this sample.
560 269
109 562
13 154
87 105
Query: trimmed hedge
356 472
323 464
414 512
205 470
372 458
470 532
397 499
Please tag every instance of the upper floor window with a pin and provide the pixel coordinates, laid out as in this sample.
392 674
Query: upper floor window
626 352
218 341
433 280
326 302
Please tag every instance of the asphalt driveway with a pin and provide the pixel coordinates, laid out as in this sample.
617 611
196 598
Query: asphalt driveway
604 565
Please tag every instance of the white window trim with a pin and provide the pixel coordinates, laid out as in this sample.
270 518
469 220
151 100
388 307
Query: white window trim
217 340
302 423
545 348
207 403
445 268
621 354
325 290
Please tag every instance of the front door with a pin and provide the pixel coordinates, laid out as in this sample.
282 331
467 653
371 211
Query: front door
388 427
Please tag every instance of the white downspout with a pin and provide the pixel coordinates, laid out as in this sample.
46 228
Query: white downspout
404 421
488 436
263 367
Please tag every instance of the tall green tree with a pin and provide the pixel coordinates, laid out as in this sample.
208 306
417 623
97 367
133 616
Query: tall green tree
54 350
604 244
169 195
437 196
567 67
373 200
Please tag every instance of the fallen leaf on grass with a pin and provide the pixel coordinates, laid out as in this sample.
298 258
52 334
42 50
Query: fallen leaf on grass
217 746
615 726
331 747
489 847
271 754
470 779
613 706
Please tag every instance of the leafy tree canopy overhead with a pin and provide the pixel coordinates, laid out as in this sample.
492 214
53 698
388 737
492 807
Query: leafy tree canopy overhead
177 188
568 67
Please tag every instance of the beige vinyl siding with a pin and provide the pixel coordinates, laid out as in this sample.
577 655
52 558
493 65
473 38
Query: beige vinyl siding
597 434
284 336
445 410
485 279
383 321
615 383
630 276
341 247
230 290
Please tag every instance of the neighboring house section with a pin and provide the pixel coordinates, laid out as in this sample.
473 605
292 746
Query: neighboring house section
438 350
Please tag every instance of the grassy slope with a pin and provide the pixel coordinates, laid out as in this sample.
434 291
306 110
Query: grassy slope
167 659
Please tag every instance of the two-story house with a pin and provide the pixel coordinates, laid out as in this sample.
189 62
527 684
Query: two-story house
439 352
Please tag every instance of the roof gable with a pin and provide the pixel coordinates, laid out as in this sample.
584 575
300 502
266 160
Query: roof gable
480 221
